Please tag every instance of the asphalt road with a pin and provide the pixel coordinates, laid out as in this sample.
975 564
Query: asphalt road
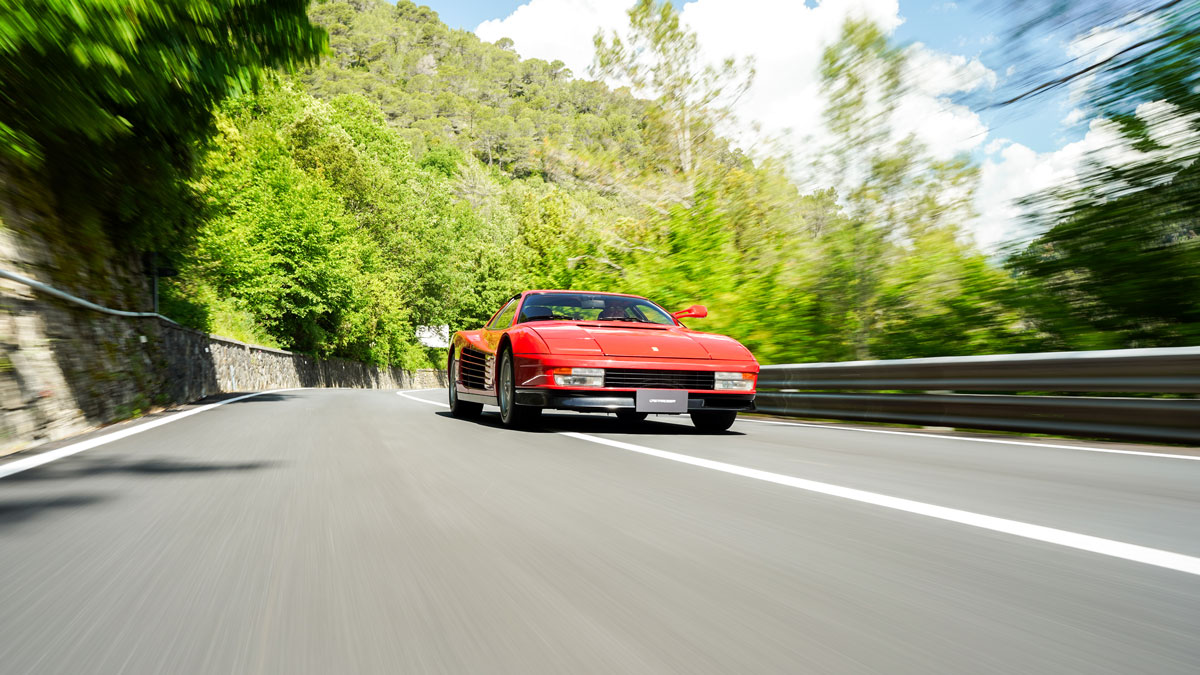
367 532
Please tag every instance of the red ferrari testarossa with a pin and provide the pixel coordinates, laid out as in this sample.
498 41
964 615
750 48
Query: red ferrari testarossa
598 352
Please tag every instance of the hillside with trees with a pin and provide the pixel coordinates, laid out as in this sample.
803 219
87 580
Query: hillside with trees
418 176
335 179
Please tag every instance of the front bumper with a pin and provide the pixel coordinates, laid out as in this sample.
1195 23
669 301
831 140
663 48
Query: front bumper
592 400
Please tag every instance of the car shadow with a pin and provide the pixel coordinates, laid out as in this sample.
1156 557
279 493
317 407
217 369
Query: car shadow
258 398
596 424
83 468
18 512
15 512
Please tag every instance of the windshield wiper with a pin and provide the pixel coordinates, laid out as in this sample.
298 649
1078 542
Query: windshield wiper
630 319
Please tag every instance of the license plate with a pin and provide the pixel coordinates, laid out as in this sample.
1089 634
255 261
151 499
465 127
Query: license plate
661 401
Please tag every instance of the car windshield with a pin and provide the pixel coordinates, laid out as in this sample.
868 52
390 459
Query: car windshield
592 307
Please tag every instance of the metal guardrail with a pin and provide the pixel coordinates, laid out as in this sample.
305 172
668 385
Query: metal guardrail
63 295
970 392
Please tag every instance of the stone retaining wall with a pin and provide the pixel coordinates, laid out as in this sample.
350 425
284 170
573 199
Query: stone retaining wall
65 368
198 365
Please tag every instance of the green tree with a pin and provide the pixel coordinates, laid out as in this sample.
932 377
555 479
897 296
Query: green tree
896 262
660 57
1117 260
103 99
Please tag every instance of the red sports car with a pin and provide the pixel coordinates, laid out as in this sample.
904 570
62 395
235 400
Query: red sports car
598 352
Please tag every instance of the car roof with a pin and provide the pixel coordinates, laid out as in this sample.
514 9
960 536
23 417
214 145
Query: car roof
623 295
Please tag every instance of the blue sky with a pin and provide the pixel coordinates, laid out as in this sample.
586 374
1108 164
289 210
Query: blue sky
960 28
467 14
951 27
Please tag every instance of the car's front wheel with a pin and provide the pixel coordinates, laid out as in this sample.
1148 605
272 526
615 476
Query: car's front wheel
465 410
712 421
511 414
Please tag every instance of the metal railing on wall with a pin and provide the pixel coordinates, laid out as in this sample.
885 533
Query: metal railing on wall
1065 393
63 295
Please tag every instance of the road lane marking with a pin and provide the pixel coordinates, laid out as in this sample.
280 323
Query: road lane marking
423 400
975 440
921 435
66 451
1049 535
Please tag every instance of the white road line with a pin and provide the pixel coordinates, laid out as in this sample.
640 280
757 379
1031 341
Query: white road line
1049 535
75 448
1083 542
422 400
976 440
1056 446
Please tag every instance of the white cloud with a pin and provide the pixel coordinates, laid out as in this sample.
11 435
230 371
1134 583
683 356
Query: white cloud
936 73
1012 171
786 39
1074 117
787 47
996 145
946 128
557 29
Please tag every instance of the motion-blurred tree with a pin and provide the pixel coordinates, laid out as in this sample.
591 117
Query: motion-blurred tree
660 57
104 98
881 178
1118 263
897 261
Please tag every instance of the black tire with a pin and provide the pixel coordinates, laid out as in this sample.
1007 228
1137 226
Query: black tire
463 410
512 415
631 418
712 421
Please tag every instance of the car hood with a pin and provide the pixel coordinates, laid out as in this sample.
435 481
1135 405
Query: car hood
646 341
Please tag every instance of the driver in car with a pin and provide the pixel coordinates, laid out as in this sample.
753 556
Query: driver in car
614 309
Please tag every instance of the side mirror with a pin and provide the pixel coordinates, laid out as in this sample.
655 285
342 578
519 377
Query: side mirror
695 311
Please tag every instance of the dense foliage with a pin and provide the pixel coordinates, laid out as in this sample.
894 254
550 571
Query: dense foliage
103 99
535 178
418 176
325 236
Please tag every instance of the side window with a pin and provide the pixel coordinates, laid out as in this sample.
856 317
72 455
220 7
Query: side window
505 318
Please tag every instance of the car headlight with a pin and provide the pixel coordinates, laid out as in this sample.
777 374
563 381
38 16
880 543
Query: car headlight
734 381
579 377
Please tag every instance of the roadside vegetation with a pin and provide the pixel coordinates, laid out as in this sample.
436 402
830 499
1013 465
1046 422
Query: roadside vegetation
336 175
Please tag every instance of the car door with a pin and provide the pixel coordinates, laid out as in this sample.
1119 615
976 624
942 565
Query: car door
494 330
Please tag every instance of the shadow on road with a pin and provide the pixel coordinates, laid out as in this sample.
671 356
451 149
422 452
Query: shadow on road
261 398
596 424
18 511
82 468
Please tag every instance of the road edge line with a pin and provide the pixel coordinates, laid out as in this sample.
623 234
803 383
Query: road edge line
1028 444
27 463
1048 535
422 400
1083 542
